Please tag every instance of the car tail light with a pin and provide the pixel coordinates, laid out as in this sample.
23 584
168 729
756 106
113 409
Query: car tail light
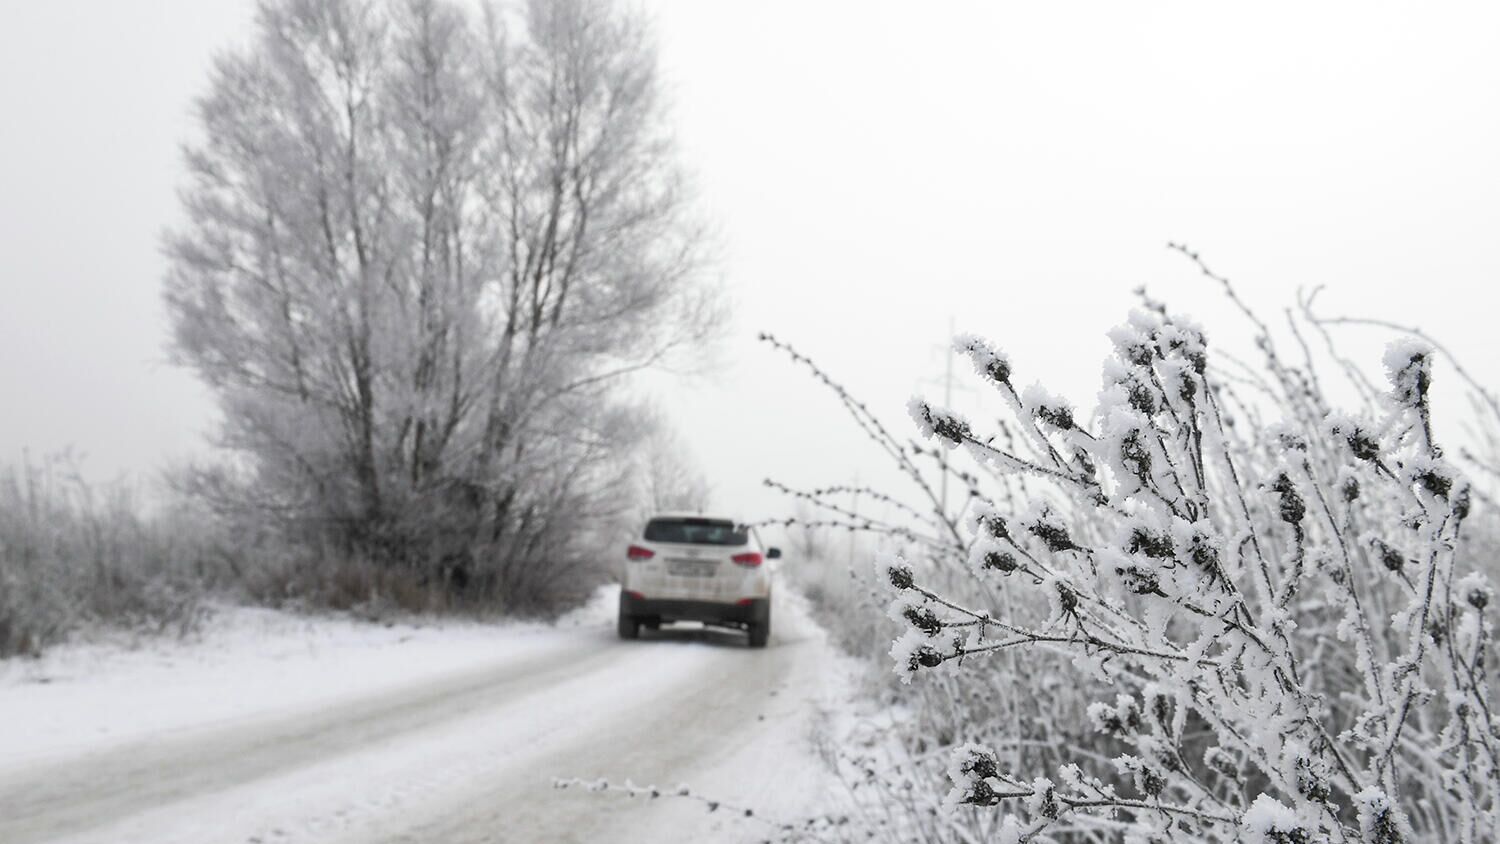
749 559
636 552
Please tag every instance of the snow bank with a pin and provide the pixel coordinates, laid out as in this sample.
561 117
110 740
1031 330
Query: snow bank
248 662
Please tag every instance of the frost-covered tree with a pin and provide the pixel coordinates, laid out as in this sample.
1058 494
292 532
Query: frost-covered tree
421 249
669 475
1213 608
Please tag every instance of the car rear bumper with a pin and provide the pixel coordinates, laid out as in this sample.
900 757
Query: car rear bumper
740 614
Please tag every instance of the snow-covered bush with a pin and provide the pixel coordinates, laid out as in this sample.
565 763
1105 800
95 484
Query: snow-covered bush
1297 656
894 761
75 555
1211 609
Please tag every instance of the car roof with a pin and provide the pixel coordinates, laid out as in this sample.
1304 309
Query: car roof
683 514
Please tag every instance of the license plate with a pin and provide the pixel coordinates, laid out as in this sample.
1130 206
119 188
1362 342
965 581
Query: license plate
691 568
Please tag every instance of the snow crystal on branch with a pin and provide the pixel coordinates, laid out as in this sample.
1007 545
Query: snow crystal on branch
913 651
1362 443
1047 407
1380 821
1121 720
975 772
988 361
915 611
1043 522
1408 365
948 426
893 569
1269 821
1132 344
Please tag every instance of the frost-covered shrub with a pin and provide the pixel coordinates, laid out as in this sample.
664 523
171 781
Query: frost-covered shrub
1212 608
893 762
74 555
1297 656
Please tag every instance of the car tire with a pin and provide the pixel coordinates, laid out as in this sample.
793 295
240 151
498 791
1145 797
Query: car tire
760 634
630 628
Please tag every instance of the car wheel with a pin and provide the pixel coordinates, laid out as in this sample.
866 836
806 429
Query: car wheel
760 634
630 628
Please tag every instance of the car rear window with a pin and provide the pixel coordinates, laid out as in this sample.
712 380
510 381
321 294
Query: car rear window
697 531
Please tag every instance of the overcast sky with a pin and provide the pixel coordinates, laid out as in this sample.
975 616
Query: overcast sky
876 171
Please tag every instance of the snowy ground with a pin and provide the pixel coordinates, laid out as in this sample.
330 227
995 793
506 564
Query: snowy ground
274 728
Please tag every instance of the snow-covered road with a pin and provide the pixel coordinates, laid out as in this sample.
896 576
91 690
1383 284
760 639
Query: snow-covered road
421 735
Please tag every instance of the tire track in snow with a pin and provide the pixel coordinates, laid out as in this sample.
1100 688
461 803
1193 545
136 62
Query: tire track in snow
741 697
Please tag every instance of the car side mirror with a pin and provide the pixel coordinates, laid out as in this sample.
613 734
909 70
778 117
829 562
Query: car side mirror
773 553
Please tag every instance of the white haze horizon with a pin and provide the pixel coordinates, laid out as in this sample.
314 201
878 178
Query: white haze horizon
875 174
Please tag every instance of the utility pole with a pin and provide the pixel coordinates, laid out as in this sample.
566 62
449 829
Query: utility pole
942 452
854 519
947 403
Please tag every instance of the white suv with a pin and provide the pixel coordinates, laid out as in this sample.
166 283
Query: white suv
697 568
